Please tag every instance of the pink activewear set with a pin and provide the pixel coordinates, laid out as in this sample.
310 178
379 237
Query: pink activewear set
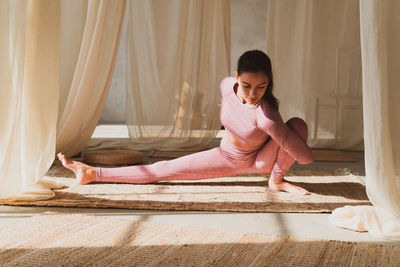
256 141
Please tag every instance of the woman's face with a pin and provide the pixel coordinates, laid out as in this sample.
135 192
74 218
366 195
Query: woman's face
252 86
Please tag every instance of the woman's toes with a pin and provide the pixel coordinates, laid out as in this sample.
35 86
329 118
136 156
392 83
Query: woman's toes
84 173
299 190
63 159
287 187
305 192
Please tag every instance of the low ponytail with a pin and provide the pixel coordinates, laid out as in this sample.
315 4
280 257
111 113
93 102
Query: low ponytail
255 61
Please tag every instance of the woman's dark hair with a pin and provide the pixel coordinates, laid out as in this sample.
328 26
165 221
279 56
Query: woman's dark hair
257 61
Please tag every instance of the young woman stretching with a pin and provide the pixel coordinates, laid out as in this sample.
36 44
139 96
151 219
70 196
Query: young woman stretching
256 139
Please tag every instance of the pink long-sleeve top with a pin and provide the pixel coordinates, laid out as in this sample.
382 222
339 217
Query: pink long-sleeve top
252 125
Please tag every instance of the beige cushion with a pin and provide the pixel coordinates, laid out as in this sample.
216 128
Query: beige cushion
113 157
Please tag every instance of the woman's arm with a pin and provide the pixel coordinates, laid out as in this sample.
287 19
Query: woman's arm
270 121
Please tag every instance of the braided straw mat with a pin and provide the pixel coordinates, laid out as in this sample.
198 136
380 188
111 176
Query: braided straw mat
243 193
57 239
113 157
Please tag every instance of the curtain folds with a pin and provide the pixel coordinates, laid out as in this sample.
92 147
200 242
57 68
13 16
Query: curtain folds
58 58
29 56
380 41
57 62
320 52
315 51
94 50
177 53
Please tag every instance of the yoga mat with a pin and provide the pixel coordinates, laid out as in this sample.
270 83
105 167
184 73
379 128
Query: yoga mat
57 239
245 193
319 155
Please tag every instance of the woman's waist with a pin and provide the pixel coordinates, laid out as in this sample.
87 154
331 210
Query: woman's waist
238 157
243 145
234 152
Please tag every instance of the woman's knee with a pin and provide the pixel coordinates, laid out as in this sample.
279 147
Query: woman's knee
299 126
262 166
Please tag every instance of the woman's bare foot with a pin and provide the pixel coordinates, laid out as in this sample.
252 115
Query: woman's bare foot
281 185
84 173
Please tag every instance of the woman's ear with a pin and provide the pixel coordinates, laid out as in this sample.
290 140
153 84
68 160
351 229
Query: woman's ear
236 76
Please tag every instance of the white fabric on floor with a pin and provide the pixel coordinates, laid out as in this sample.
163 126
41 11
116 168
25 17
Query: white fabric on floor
177 54
377 221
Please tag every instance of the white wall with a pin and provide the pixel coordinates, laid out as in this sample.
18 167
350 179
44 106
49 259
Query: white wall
248 27
114 108
248 31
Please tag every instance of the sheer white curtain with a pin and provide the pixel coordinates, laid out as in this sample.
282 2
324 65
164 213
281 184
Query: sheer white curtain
29 58
89 45
177 53
315 51
36 69
380 40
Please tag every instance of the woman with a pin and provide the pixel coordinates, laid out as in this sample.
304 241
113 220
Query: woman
256 140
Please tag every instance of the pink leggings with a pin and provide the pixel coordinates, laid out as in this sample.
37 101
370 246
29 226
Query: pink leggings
216 162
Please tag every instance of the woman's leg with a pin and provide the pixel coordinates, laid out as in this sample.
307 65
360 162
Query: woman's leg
84 173
201 165
272 159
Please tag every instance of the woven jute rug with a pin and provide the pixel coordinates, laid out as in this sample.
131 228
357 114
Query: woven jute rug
245 193
54 239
